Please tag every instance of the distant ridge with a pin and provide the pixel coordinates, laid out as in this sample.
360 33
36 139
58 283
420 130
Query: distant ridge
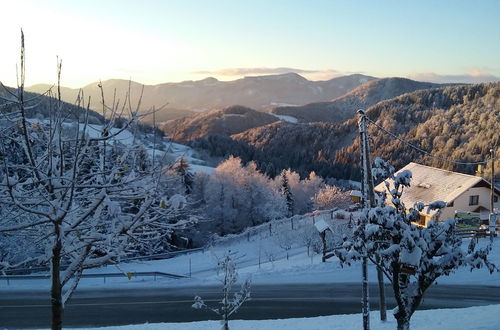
364 96
181 99
227 121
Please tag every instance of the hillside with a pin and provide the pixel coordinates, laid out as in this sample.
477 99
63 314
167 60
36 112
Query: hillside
456 122
231 120
344 107
459 122
38 106
260 92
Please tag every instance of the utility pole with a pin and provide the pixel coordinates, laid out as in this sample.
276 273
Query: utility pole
370 202
365 304
492 222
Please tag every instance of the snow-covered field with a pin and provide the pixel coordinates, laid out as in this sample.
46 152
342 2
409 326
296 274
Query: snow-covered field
259 255
478 318
289 119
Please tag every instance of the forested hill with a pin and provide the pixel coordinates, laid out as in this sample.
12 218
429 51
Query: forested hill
456 122
364 96
39 106
227 121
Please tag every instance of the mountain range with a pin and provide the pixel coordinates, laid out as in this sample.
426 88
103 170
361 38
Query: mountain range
226 122
457 122
362 97
184 98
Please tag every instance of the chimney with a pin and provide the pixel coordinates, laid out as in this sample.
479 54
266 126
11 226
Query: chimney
480 170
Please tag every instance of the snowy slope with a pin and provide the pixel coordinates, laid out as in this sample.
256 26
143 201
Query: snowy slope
259 255
172 150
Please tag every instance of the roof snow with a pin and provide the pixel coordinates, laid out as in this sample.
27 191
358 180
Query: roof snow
322 226
430 184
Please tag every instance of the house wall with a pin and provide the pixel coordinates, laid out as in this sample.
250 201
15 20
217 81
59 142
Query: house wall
461 203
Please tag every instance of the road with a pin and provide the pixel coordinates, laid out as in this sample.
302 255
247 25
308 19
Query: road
119 307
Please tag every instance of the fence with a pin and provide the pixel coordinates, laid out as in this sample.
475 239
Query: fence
474 232
130 275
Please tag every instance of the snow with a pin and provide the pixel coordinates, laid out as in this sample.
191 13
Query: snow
321 226
196 165
274 268
126 137
281 104
410 257
289 119
356 193
201 168
483 317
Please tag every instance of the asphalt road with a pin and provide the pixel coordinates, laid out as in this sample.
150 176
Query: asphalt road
119 307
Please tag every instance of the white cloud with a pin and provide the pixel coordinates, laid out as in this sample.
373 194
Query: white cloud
324 74
472 76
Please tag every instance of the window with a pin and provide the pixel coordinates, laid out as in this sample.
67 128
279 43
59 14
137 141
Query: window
474 200
495 199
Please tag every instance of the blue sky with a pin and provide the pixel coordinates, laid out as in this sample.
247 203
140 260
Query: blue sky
158 41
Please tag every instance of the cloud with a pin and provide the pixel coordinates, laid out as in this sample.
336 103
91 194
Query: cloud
472 76
261 71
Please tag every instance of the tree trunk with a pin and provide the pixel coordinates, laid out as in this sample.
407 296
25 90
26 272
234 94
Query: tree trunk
225 325
381 290
365 302
56 289
403 323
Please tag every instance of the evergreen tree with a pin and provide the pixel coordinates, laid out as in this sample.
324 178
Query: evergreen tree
285 191
181 167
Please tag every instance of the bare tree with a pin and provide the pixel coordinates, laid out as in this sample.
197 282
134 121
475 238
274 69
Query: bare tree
77 192
285 239
308 236
229 305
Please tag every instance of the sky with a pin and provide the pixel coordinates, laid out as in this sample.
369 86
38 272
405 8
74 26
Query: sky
155 41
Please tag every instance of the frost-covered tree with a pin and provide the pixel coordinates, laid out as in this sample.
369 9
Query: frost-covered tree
302 191
71 191
329 197
285 239
308 235
228 305
412 258
238 196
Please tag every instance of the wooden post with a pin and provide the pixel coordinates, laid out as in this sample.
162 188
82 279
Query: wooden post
323 240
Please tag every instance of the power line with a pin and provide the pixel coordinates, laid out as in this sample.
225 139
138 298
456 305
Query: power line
420 149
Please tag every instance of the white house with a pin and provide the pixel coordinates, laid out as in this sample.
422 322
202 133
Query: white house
461 192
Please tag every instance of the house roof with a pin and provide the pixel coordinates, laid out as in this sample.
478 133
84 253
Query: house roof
356 193
431 184
322 226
